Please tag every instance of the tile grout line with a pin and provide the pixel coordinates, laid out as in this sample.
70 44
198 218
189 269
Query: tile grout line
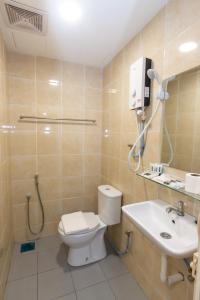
75 292
118 275
52 269
91 285
15 256
21 278
108 280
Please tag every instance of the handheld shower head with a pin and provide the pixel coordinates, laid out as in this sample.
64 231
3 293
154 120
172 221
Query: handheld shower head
162 93
152 74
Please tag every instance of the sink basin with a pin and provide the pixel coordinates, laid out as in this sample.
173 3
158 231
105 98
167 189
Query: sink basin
179 234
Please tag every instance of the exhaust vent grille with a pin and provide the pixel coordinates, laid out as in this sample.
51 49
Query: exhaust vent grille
25 18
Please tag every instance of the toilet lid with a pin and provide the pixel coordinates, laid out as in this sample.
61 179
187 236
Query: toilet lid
91 220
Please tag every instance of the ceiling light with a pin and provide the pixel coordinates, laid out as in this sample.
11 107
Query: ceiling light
54 82
187 47
70 11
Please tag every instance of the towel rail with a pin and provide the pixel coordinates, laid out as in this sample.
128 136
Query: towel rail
60 120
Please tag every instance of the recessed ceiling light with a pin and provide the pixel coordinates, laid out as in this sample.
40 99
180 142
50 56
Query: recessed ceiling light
70 11
187 47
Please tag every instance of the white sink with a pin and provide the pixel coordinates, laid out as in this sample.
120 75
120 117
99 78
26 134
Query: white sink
152 219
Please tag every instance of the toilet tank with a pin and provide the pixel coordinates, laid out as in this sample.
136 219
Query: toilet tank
109 204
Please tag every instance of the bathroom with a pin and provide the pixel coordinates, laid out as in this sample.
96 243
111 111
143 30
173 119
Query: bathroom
67 135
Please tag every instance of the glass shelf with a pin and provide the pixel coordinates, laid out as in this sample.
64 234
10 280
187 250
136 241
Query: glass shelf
180 190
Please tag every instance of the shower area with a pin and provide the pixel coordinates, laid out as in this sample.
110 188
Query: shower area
61 157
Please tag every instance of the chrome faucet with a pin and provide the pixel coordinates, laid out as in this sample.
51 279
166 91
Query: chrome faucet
179 210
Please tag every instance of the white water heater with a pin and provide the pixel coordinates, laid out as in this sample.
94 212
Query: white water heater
139 84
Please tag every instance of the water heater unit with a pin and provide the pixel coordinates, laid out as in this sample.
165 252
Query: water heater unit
139 86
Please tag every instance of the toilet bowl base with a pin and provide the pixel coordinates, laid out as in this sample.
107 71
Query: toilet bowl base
88 254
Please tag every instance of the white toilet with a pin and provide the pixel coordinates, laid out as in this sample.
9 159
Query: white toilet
86 238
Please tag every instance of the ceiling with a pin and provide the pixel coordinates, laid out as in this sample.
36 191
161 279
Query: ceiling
104 28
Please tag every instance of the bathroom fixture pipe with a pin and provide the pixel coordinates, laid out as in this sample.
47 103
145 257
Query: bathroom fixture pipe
189 269
131 152
28 197
175 278
172 279
128 244
171 156
163 270
137 156
187 263
170 145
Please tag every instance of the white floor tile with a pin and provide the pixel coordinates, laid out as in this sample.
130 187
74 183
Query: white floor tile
49 242
23 266
68 297
126 288
22 289
54 284
52 258
100 291
112 266
86 276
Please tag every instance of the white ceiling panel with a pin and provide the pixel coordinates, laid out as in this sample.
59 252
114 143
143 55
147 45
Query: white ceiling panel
104 28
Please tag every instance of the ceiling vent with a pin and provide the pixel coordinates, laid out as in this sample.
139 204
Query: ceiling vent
22 17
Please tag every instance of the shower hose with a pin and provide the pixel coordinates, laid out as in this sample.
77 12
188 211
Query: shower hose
41 206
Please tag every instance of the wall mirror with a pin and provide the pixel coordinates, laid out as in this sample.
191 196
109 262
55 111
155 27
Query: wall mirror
182 115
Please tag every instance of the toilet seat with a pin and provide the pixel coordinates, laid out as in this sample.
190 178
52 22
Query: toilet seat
92 221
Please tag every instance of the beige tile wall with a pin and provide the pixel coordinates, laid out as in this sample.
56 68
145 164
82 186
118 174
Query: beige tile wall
182 116
178 22
6 236
66 157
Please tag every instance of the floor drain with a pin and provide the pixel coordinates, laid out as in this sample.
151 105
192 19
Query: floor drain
165 235
29 246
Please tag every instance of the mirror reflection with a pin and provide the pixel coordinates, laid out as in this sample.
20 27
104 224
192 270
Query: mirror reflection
182 115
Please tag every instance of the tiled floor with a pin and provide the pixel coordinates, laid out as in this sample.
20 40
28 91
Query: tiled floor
44 274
